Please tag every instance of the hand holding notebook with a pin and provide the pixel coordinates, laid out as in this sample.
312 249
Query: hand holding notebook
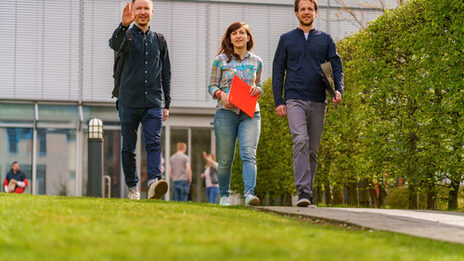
240 96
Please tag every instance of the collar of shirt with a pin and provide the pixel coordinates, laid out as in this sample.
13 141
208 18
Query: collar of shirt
244 57
301 32
140 31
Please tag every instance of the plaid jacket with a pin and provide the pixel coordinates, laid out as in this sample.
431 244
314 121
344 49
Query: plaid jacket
249 69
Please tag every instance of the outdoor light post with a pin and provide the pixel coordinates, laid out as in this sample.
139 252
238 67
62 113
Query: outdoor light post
95 158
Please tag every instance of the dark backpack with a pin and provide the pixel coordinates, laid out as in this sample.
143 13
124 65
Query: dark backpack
213 175
121 56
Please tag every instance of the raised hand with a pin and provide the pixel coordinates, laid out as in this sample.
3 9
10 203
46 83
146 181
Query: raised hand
128 14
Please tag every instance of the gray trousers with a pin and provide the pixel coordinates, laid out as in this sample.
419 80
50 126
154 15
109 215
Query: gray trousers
306 122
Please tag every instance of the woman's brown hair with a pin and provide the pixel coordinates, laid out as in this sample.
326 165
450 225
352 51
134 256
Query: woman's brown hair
226 45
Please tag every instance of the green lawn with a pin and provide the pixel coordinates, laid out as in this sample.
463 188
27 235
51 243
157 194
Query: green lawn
67 228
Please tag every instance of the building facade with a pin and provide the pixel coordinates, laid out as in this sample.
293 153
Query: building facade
56 74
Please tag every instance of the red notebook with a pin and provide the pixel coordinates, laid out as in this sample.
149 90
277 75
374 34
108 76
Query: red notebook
239 96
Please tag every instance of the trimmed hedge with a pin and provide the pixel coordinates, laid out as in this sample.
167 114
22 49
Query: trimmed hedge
401 115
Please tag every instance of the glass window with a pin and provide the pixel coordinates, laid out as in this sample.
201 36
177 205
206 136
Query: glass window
201 142
16 113
177 135
106 114
58 113
56 161
111 160
18 147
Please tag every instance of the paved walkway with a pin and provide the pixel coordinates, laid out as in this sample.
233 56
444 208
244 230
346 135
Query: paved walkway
446 226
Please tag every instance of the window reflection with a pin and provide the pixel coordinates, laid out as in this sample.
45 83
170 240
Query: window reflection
16 145
177 135
201 141
56 162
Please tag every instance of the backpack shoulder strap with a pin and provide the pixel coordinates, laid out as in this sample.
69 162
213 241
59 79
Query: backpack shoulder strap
127 41
162 43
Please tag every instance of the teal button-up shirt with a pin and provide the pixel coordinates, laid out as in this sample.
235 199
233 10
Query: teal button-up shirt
145 79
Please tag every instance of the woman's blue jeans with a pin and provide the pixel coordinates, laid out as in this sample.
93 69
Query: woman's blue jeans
228 126
212 194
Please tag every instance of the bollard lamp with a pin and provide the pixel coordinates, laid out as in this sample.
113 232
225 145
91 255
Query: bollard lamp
95 129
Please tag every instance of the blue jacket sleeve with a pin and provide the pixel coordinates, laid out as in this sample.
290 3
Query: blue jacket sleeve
336 63
118 37
278 72
166 78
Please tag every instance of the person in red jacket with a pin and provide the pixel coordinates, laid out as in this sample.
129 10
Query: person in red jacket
15 180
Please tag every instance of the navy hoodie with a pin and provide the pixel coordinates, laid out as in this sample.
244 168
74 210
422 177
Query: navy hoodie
298 60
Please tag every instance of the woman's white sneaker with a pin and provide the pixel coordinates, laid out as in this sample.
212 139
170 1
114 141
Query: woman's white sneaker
251 200
225 201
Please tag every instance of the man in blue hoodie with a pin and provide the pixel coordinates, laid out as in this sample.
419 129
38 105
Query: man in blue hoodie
297 61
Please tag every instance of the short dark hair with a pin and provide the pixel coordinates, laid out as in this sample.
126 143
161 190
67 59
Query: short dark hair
297 2
14 162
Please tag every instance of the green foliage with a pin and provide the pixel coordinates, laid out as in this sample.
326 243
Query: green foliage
398 198
403 100
402 109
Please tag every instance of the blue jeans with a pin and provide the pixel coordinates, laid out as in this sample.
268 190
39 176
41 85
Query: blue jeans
181 190
152 123
212 194
228 126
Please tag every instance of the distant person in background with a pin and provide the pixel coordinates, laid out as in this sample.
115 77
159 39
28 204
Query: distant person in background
15 180
210 176
180 173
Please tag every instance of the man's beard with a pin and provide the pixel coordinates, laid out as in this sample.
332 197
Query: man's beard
306 24
147 21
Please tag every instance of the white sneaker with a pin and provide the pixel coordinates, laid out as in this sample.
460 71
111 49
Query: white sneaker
225 201
134 195
157 189
251 200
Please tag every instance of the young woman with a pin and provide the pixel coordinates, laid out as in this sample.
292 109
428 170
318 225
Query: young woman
210 176
230 123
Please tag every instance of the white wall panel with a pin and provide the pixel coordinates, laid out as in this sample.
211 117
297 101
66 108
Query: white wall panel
187 50
39 58
60 50
7 49
43 39
101 18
